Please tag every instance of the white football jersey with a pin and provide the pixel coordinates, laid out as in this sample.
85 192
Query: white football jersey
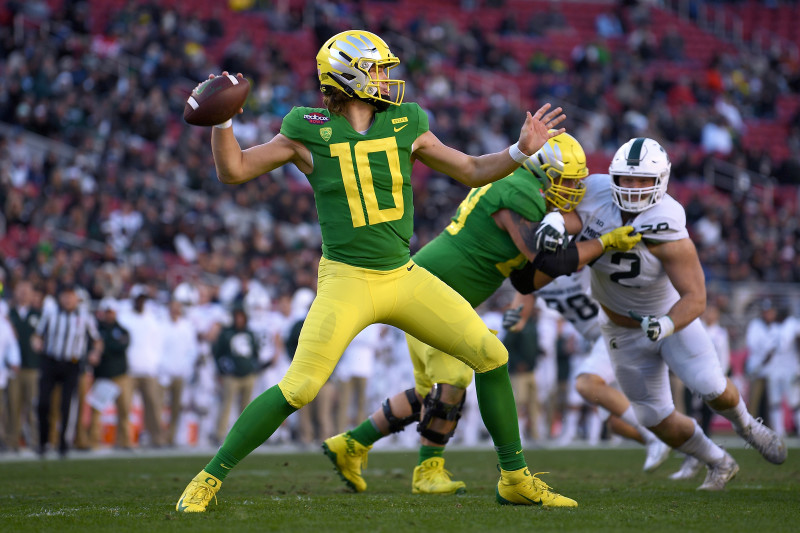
634 280
569 296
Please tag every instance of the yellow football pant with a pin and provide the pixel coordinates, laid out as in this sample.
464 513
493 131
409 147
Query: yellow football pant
434 366
410 298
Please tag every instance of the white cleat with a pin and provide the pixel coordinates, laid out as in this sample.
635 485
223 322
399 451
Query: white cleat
766 441
657 453
690 467
718 475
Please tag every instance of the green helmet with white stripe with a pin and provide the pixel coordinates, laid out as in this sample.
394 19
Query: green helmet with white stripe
642 158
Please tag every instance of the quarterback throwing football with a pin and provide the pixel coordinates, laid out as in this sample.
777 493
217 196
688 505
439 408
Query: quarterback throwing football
357 153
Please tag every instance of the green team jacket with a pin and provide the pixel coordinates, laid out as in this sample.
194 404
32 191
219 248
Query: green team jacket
472 255
361 182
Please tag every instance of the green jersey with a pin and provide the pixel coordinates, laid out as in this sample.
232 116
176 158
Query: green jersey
473 255
361 182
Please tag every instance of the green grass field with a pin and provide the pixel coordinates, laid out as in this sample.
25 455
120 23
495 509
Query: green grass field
300 492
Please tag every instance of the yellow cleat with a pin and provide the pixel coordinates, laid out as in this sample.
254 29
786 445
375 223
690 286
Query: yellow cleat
431 478
198 493
348 457
519 487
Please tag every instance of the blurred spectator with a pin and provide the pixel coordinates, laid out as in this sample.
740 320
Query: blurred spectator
783 377
143 356
179 355
24 316
608 25
672 45
9 366
236 354
522 342
717 138
762 341
111 377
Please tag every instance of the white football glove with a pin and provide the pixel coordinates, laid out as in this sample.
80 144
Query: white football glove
656 328
551 233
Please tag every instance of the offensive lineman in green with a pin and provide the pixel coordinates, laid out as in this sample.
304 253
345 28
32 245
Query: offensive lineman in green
357 154
491 234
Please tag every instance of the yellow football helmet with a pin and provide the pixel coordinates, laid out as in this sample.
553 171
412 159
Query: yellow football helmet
351 61
561 158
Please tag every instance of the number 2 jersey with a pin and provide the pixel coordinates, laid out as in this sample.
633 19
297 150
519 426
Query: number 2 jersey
633 280
361 182
473 255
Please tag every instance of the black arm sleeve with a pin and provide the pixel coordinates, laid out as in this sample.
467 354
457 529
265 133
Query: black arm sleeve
562 262
522 279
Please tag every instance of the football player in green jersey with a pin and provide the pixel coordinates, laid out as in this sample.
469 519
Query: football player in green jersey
492 234
357 153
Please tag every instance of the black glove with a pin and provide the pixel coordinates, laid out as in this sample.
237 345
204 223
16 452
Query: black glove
511 317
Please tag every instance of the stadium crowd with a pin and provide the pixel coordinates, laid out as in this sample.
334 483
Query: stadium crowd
103 186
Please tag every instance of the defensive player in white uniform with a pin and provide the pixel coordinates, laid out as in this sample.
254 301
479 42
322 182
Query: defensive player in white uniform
569 295
652 297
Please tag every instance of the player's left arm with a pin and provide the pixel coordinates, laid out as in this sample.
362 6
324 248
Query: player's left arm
682 265
474 171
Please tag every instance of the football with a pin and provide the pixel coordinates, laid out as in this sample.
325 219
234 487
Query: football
216 100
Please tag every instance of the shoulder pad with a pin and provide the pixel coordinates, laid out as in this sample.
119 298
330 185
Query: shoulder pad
665 221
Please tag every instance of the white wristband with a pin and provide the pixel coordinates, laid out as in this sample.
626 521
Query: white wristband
667 326
516 154
225 125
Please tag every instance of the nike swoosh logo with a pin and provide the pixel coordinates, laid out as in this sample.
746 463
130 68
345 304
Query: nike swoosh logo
223 465
519 452
412 266
181 507
532 501
400 128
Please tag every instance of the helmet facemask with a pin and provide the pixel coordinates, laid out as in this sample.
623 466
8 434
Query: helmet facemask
641 158
352 62
559 160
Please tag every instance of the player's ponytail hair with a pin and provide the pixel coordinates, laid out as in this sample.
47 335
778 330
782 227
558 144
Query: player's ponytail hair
335 101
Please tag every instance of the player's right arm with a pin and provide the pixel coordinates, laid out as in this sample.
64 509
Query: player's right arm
523 232
235 165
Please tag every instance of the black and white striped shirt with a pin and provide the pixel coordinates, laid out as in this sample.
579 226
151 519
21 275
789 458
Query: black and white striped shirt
66 334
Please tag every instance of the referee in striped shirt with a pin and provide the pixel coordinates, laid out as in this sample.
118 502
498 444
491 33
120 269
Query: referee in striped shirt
63 335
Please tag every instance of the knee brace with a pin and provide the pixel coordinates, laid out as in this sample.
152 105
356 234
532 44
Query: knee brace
435 408
399 424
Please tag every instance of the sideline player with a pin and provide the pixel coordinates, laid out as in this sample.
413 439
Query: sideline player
357 153
657 288
492 233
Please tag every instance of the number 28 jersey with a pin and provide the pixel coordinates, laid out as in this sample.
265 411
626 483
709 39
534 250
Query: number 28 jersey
569 295
634 280
361 182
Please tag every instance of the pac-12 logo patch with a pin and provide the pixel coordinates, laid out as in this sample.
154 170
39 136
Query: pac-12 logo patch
316 118
325 133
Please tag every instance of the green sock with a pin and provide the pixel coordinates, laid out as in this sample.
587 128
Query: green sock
366 433
499 413
255 425
428 452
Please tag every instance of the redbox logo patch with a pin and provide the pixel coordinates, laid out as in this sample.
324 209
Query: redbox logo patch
316 118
